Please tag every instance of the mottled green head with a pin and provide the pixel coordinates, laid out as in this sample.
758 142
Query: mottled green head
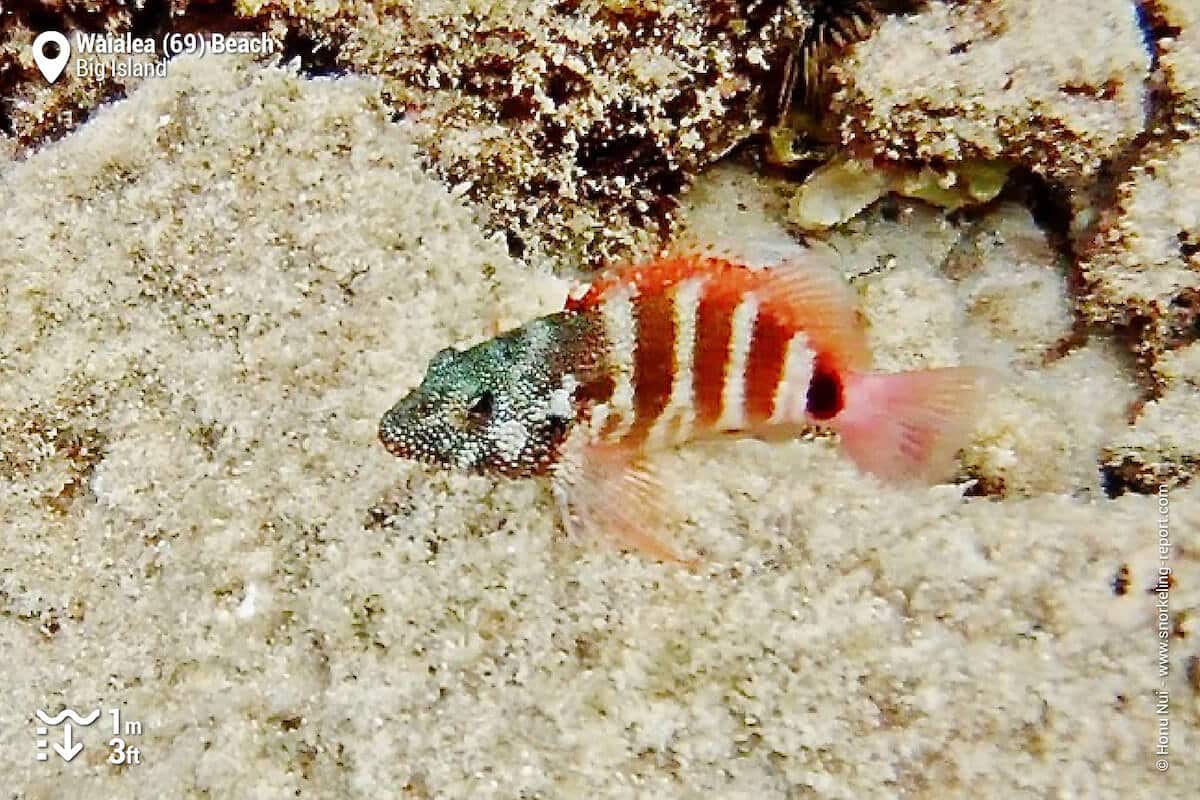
504 405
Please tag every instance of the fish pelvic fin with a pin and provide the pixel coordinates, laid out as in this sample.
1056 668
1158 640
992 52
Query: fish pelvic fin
612 492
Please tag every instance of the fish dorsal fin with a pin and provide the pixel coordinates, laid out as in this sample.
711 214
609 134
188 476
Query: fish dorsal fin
812 296
646 277
762 249
800 285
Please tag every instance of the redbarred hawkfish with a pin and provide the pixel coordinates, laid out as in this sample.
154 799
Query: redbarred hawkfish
701 342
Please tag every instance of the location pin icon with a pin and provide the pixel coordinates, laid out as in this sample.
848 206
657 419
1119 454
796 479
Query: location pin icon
51 67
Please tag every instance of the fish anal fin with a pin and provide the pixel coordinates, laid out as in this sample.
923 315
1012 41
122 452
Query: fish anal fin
610 491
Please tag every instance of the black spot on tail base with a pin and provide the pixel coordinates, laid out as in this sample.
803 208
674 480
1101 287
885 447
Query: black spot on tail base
825 396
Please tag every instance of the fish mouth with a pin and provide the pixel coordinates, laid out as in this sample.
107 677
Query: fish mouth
393 446
390 437
402 441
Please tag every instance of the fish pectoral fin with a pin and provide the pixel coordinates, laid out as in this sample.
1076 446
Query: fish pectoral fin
612 492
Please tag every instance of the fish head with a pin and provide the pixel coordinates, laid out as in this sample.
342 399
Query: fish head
495 407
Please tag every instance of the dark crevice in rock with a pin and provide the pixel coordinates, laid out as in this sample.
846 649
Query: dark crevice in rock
1048 202
317 57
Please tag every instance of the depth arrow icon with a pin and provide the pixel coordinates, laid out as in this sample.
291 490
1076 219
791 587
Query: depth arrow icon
67 749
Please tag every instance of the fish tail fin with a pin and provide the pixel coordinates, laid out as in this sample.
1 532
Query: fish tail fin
908 426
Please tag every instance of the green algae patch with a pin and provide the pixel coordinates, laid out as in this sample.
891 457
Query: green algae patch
840 189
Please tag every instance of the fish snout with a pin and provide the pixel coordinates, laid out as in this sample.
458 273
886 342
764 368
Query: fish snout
395 432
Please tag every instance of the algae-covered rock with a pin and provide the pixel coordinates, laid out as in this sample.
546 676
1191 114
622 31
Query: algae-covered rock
33 110
574 124
1058 87
1162 447
835 192
1141 271
1176 28
968 183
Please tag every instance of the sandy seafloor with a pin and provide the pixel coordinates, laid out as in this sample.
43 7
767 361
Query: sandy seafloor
211 292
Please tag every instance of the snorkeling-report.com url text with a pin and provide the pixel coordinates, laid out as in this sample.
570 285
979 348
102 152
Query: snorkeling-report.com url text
1163 631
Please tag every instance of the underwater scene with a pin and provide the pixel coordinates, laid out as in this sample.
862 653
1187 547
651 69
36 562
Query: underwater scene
599 399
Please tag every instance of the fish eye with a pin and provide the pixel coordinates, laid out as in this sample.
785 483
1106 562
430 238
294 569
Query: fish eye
479 410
